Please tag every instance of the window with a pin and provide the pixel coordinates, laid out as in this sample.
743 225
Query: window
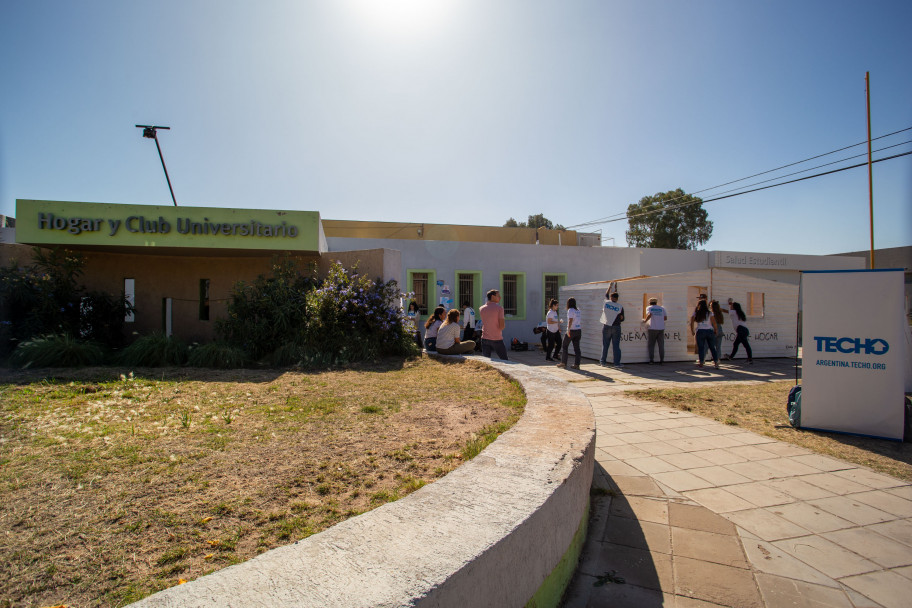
551 284
204 300
423 283
468 288
755 303
130 296
649 296
513 294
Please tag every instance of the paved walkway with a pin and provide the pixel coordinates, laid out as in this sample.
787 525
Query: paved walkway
699 514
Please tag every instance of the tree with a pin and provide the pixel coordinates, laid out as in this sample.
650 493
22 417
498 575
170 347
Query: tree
535 221
668 220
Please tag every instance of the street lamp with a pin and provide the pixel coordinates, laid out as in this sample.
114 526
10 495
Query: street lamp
151 131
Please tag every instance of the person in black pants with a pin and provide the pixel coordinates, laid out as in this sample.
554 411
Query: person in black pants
738 318
552 333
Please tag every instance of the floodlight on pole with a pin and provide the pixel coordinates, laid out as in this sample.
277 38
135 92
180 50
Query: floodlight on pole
151 132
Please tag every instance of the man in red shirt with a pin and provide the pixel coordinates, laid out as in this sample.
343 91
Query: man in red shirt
492 325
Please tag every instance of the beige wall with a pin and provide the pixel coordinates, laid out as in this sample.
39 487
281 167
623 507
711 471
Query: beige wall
178 277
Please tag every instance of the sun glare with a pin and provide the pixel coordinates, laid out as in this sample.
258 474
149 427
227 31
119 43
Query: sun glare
401 17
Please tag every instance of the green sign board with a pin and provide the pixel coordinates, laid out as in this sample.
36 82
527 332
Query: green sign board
68 223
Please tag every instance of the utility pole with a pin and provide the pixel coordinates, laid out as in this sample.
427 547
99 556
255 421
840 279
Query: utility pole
151 132
870 172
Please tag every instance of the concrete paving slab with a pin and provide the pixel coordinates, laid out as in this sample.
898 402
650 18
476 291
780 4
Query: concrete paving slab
754 470
870 478
652 465
900 529
879 549
823 463
767 557
658 448
724 585
799 488
904 572
641 485
639 535
883 501
852 510
766 525
641 508
681 481
719 500
628 596
779 592
717 456
788 467
811 518
724 549
639 567
826 556
760 494
901 491
685 461
695 517
719 476
888 589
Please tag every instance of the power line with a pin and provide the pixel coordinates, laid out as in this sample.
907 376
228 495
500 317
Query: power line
608 218
792 181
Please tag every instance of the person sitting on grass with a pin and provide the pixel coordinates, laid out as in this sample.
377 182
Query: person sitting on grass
448 342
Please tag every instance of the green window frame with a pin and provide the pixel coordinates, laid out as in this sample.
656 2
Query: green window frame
478 298
561 282
431 295
513 285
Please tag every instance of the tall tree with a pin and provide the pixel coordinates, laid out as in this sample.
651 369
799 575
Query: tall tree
668 220
534 221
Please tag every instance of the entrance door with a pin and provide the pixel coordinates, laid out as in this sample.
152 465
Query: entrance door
692 294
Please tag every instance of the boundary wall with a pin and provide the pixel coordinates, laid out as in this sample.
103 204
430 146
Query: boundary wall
504 529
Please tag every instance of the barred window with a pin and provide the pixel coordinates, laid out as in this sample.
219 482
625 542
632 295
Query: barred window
552 287
510 294
465 289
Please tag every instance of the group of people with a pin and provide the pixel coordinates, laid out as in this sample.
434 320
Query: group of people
442 329
706 323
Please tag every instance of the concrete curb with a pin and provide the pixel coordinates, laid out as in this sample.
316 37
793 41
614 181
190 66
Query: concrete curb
488 534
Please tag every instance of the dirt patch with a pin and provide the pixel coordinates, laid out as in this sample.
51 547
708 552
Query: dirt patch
761 408
114 485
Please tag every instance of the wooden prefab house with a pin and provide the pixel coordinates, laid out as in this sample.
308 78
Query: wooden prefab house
771 308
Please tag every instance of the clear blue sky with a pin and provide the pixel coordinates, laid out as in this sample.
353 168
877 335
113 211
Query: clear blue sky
464 111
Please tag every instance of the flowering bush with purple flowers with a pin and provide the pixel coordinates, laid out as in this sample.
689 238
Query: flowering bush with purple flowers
290 318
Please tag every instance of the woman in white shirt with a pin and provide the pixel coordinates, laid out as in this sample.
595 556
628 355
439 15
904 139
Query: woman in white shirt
705 332
448 342
574 333
431 326
553 345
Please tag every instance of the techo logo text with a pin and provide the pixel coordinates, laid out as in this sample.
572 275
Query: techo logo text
868 346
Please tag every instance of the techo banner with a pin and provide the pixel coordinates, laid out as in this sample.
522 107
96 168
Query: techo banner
853 352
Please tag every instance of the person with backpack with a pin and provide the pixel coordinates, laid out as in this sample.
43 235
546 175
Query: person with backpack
738 318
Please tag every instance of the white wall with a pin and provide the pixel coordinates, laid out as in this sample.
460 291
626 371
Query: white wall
773 335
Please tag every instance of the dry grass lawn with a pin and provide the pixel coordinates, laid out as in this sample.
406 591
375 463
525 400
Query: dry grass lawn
761 408
114 487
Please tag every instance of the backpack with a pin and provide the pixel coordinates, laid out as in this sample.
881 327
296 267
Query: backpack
793 407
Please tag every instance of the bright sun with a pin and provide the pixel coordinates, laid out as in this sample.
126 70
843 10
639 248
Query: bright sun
401 17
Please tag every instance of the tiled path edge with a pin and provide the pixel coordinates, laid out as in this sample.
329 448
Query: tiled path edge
488 534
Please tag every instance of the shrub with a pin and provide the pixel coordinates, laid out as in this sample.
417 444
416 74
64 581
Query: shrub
58 350
356 318
270 312
217 355
156 350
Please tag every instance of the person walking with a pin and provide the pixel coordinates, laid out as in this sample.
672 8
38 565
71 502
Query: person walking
468 321
553 347
448 342
717 311
612 315
704 332
492 326
742 332
574 333
655 319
